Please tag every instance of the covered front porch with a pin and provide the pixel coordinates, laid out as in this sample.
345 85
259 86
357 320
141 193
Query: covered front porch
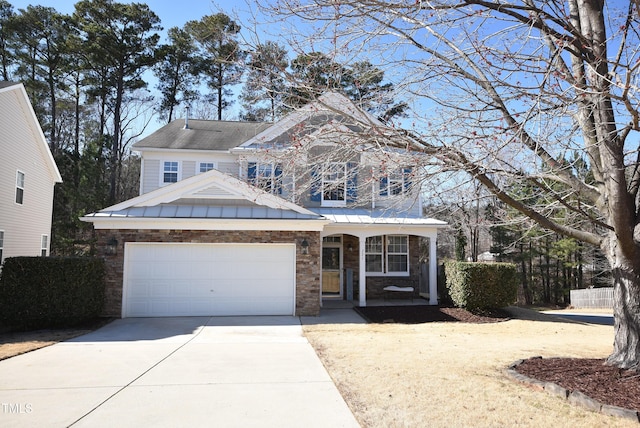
378 259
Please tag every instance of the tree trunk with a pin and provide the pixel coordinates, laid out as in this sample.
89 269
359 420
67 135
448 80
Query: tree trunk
626 310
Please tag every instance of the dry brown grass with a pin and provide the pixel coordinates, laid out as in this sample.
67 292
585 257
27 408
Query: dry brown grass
452 374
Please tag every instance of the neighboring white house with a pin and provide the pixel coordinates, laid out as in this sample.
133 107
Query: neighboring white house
28 175
258 218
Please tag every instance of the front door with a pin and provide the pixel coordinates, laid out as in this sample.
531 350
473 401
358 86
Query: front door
331 262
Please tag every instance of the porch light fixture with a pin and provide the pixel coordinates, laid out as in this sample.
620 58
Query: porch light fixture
305 246
112 246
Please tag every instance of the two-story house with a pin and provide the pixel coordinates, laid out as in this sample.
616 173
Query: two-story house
28 175
239 218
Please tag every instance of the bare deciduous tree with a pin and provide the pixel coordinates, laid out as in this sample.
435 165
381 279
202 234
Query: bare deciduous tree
508 91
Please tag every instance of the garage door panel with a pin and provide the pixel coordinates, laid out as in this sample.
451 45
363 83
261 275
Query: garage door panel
209 279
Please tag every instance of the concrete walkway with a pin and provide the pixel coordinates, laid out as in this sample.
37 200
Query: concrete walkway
172 372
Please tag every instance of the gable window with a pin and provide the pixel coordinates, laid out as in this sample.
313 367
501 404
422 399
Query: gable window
44 245
19 187
397 182
334 184
170 172
1 245
206 166
265 175
387 255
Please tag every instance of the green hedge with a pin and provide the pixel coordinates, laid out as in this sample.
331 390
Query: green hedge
45 292
481 286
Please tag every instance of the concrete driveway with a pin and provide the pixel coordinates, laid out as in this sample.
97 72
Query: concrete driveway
172 372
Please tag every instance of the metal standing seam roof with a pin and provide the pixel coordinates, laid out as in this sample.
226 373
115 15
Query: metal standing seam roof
380 217
206 212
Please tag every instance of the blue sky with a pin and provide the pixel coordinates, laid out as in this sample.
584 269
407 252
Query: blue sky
172 13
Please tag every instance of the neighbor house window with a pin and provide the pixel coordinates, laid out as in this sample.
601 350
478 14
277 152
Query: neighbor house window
388 254
1 244
334 184
19 187
206 166
265 175
170 172
44 245
397 182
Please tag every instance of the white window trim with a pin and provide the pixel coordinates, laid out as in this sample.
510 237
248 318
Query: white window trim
398 176
44 245
162 171
269 183
385 260
199 168
24 178
329 202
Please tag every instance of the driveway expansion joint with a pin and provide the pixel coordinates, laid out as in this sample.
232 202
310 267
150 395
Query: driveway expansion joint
182 345
575 398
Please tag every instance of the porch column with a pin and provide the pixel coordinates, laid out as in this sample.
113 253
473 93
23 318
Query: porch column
362 281
433 272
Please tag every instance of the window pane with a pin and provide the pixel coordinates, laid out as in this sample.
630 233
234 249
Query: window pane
373 262
170 172
206 166
374 244
331 258
20 179
397 263
397 244
19 196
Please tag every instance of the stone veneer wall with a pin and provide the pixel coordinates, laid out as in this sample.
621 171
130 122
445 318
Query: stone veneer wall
307 265
375 284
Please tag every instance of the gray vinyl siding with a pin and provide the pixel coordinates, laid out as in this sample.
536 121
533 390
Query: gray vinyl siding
188 169
231 168
151 175
21 149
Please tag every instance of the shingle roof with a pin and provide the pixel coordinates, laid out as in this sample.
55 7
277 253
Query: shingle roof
7 84
201 135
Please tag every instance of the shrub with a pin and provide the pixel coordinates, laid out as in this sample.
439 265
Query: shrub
44 292
481 286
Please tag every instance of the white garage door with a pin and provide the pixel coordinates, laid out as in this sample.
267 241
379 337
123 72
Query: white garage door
208 279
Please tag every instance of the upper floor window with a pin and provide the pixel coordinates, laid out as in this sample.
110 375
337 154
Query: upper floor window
44 245
19 187
206 166
170 172
388 254
1 244
267 176
334 184
397 182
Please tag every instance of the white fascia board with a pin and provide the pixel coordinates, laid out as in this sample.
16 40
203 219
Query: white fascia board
367 230
42 140
206 224
181 152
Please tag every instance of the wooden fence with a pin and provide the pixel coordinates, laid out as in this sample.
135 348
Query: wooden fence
592 298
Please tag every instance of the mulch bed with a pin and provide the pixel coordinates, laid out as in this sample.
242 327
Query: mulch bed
606 384
422 313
